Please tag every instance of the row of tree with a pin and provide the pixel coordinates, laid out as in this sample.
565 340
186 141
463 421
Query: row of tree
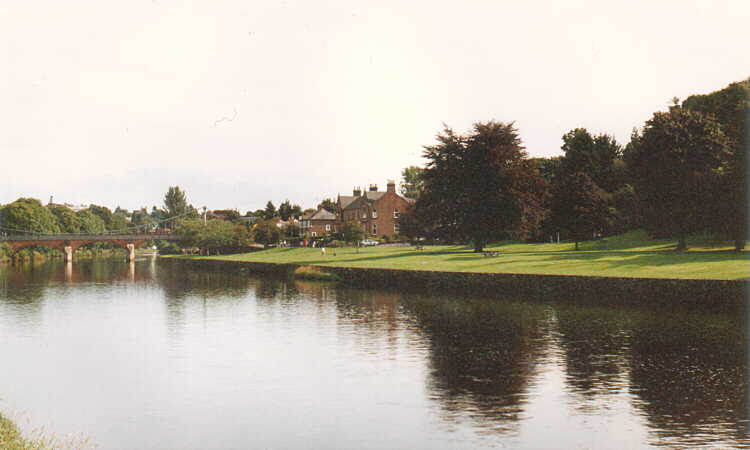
683 172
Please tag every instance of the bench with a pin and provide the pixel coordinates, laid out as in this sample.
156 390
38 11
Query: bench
490 253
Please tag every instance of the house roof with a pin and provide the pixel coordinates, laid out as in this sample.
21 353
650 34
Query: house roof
321 214
345 200
368 196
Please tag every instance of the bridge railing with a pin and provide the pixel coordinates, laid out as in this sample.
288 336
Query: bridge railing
83 236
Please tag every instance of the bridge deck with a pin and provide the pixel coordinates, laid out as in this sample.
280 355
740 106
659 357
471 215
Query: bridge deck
93 237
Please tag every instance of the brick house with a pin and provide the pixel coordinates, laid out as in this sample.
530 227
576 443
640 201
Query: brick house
377 212
320 223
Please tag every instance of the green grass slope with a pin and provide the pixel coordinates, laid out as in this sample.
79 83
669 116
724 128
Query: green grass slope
632 254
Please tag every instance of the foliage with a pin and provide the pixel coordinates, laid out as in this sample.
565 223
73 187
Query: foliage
215 233
270 211
266 232
226 214
329 205
579 206
673 165
28 214
175 202
287 210
478 187
66 218
90 222
593 155
412 182
352 232
731 109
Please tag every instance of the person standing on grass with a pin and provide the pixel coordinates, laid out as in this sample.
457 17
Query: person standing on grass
323 251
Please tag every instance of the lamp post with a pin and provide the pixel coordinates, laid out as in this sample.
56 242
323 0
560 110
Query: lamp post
204 216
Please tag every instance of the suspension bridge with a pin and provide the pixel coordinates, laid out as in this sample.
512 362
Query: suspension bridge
129 238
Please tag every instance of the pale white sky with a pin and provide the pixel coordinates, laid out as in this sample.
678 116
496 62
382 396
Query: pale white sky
239 102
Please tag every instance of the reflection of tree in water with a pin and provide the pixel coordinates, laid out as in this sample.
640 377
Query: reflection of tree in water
690 372
483 354
180 281
595 346
376 316
686 369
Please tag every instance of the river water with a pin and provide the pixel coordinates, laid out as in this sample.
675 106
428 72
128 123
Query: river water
151 356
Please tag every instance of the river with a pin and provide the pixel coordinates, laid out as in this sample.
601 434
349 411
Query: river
152 356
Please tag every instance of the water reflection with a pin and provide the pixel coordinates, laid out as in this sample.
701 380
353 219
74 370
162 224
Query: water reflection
487 367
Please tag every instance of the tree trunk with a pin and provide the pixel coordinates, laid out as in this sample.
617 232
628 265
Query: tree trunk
681 243
739 243
478 246
576 245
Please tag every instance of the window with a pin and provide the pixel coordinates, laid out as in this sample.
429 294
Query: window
396 214
374 228
328 227
314 234
364 214
395 228
374 214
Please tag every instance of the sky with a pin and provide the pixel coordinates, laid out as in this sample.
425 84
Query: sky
241 102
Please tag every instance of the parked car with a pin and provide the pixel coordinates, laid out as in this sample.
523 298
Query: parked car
368 243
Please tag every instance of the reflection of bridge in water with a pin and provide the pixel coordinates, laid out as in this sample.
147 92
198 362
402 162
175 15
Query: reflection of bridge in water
69 243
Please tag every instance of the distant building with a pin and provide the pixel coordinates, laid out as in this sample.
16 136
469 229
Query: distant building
320 223
377 212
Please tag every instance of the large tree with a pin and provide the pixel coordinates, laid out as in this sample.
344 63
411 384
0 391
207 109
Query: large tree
287 210
28 214
270 211
66 218
673 164
175 202
731 109
478 187
596 156
579 206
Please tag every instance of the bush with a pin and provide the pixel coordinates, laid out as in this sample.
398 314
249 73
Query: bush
314 273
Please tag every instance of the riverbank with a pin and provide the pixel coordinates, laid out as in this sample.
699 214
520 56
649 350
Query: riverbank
713 294
632 255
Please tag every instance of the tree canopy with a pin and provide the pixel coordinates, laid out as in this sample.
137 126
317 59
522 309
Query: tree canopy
478 186
673 164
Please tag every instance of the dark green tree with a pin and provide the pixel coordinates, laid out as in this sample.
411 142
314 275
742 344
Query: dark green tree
579 206
730 107
329 205
479 187
673 165
270 211
266 232
352 232
175 202
412 182
595 156
287 210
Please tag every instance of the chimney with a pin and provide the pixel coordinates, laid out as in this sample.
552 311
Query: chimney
357 192
373 188
391 186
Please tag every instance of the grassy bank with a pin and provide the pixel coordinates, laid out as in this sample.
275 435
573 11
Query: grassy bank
630 255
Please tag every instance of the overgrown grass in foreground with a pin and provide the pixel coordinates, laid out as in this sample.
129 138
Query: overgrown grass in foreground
632 254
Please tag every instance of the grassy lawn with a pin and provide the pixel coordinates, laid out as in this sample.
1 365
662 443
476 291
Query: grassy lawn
632 254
